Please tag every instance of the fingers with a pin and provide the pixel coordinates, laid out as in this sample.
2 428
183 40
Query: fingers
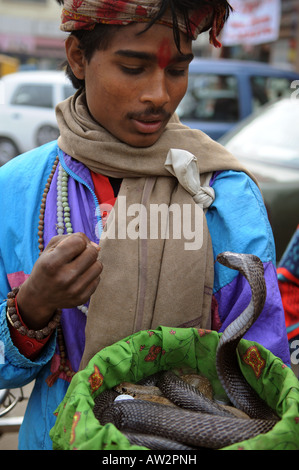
83 287
82 270
67 247
64 276
62 251
72 267
87 259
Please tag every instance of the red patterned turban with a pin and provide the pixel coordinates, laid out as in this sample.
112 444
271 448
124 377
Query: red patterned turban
85 14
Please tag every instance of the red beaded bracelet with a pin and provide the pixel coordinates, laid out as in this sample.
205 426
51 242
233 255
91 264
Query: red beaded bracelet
15 322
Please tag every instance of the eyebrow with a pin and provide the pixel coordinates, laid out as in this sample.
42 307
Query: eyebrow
152 57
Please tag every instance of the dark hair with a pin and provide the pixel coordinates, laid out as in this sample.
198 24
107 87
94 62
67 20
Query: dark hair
89 42
183 8
99 37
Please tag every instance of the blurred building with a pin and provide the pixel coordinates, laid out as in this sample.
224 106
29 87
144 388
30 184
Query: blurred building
29 32
283 52
286 48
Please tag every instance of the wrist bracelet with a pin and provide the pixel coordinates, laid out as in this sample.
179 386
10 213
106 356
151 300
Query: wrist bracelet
14 320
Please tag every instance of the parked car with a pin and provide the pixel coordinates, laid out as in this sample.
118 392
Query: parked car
267 143
222 92
27 110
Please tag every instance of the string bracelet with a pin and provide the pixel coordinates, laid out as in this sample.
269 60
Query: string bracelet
15 322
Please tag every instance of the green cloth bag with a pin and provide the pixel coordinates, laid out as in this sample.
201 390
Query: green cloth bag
150 351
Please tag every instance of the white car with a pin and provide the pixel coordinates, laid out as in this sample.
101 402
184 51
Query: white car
27 110
267 143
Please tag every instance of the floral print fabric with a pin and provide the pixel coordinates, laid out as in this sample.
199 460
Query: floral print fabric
150 351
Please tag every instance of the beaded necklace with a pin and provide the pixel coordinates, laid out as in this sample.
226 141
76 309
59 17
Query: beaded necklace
63 223
63 208
43 207
64 212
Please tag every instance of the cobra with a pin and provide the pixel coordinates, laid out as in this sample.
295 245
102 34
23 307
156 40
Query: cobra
197 421
229 374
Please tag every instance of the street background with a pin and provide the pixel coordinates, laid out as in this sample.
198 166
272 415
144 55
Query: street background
264 30
30 39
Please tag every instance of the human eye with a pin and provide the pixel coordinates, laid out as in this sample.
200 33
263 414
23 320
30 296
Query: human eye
178 72
130 70
178 69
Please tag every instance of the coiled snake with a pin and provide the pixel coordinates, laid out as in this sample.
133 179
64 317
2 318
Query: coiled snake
196 421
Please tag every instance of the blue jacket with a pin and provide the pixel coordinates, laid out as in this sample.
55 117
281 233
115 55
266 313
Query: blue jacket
237 221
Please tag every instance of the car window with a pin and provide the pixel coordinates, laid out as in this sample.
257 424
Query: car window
2 93
270 135
269 89
33 94
68 90
210 97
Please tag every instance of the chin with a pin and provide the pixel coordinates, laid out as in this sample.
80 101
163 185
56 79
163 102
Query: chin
143 141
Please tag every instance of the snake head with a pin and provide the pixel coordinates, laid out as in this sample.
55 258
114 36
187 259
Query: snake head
239 260
251 267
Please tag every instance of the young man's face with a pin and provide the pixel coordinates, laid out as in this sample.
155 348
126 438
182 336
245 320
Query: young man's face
135 85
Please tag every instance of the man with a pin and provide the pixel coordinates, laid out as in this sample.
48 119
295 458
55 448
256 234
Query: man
122 150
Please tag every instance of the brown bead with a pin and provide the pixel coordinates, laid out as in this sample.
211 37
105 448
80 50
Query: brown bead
17 324
39 335
56 317
14 317
46 331
23 330
31 333
11 302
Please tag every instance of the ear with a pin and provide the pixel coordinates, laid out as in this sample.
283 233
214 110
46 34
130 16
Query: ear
75 57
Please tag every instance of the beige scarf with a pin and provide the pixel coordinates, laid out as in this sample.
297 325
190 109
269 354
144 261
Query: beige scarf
153 273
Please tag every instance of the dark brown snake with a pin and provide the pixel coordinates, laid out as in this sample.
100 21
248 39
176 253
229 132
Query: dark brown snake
198 422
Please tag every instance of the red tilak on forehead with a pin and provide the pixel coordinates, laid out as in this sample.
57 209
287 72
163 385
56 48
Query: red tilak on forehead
164 54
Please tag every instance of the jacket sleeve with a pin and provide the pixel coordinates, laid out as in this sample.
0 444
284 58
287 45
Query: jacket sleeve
15 369
238 222
21 187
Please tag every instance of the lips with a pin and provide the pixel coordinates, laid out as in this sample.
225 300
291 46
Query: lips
148 127
149 123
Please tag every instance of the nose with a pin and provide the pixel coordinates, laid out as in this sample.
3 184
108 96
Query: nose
156 90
